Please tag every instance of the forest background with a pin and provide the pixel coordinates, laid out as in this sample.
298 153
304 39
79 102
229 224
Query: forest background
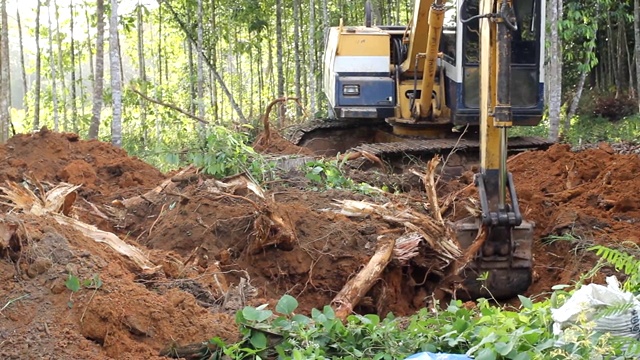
159 78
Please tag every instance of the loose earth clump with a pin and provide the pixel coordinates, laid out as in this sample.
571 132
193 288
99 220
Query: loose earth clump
218 245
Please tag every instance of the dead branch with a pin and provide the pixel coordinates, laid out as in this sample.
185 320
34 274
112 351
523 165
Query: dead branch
170 106
358 154
264 140
357 287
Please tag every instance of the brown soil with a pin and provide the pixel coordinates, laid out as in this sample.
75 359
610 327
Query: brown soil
205 243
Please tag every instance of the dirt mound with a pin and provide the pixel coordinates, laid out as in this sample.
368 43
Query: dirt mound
278 145
102 169
114 314
591 194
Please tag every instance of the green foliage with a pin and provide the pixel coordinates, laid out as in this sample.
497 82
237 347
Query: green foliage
222 152
484 332
327 174
624 262
72 283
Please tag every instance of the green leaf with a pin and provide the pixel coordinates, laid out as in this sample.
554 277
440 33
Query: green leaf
503 348
287 304
522 356
72 283
526 302
486 354
299 318
328 312
252 314
258 340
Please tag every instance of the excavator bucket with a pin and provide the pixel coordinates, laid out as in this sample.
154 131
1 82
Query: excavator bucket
502 268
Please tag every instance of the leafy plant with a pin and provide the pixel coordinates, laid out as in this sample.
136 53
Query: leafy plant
328 175
73 283
624 262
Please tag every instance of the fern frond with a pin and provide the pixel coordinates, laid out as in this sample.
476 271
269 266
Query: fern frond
622 261
612 310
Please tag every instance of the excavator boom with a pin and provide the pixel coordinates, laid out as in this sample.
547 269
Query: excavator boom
453 81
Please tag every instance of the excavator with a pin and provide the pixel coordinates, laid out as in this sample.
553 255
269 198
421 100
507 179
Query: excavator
455 79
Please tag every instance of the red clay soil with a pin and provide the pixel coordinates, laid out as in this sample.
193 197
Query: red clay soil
278 145
204 242
101 169
591 194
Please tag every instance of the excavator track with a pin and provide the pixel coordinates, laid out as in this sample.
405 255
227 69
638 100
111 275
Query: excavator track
330 137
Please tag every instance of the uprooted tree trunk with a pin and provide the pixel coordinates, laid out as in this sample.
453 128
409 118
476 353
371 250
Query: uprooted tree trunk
420 230
270 226
359 285
265 138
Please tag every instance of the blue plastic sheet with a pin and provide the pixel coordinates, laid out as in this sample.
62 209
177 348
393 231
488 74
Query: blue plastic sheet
438 356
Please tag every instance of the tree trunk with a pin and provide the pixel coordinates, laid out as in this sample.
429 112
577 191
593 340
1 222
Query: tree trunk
576 98
52 67
74 108
23 70
296 49
636 31
142 73
280 61
63 87
312 57
199 47
5 96
223 86
94 128
192 85
36 110
325 21
159 47
632 91
214 63
554 71
116 81
91 70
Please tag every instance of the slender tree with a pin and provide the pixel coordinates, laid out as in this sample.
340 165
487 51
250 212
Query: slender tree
23 69
94 128
142 73
52 68
91 70
554 70
74 108
5 86
116 81
36 110
296 50
312 56
636 31
63 86
199 47
280 60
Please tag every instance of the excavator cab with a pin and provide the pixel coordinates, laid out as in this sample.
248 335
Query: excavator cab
376 72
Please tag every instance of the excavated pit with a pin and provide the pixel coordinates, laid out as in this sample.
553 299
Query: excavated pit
204 241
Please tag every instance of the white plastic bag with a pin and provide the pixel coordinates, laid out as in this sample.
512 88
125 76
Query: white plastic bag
588 303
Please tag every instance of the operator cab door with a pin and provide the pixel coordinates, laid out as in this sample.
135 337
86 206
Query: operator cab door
462 81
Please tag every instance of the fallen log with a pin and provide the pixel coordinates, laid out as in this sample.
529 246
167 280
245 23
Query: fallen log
357 287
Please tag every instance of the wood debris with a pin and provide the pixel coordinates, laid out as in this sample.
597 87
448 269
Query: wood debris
57 203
